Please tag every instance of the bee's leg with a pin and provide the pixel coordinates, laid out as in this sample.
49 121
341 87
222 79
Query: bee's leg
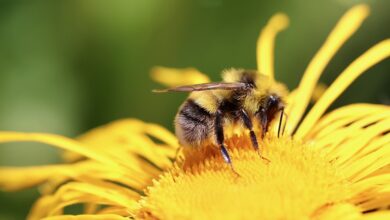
248 124
218 126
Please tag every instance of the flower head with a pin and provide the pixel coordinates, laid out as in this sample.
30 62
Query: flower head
328 166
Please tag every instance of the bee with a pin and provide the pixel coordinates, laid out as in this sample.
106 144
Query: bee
244 96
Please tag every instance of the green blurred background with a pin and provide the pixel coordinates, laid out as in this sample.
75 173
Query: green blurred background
68 66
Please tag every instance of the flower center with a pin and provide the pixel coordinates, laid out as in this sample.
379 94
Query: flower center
296 183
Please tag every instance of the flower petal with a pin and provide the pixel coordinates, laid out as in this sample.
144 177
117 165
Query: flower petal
372 56
344 29
125 138
60 142
81 192
114 210
341 117
17 178
139 151
380 215
343 211
172 77
381 201
360 145
266 43
374 195
87 217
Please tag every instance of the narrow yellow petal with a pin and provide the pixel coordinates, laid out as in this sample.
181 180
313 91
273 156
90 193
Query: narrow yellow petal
127 128
125 138
114 194
350 148
374 55
16 178
91 208
115 210
91 172
380 201
349 159
377 143
348 113
124 191
60 142
87 217
344 29
339 211
266 43
172 77
345 124
367 165
319 90
353 121
290 104
331 143
40 207
162 134
92 202
370 183
58 207
52 205
380 215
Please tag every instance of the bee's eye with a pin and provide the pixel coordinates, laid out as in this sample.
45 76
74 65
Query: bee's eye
273 100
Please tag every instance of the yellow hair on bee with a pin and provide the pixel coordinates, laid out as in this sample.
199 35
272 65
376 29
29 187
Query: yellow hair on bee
205 99
232 75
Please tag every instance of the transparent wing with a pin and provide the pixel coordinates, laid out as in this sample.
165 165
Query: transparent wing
208 86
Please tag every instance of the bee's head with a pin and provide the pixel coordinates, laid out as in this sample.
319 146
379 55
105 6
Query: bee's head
269 98
266 95
271 104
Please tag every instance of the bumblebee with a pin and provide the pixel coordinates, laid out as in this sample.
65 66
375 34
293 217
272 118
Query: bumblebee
244 96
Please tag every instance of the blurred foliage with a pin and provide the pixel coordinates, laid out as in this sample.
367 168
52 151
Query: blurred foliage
68 66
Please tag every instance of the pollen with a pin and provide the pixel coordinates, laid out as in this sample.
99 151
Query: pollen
297 182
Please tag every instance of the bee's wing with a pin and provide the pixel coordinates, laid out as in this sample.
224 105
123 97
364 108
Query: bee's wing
208 86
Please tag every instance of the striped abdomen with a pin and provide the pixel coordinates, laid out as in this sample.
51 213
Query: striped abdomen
193 124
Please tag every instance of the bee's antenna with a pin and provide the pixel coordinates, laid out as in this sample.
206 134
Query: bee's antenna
285 123
280 122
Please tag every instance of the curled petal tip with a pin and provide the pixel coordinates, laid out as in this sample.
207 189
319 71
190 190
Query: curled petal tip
362 9
280 20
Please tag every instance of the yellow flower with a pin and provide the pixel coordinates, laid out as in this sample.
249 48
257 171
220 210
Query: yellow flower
325 166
